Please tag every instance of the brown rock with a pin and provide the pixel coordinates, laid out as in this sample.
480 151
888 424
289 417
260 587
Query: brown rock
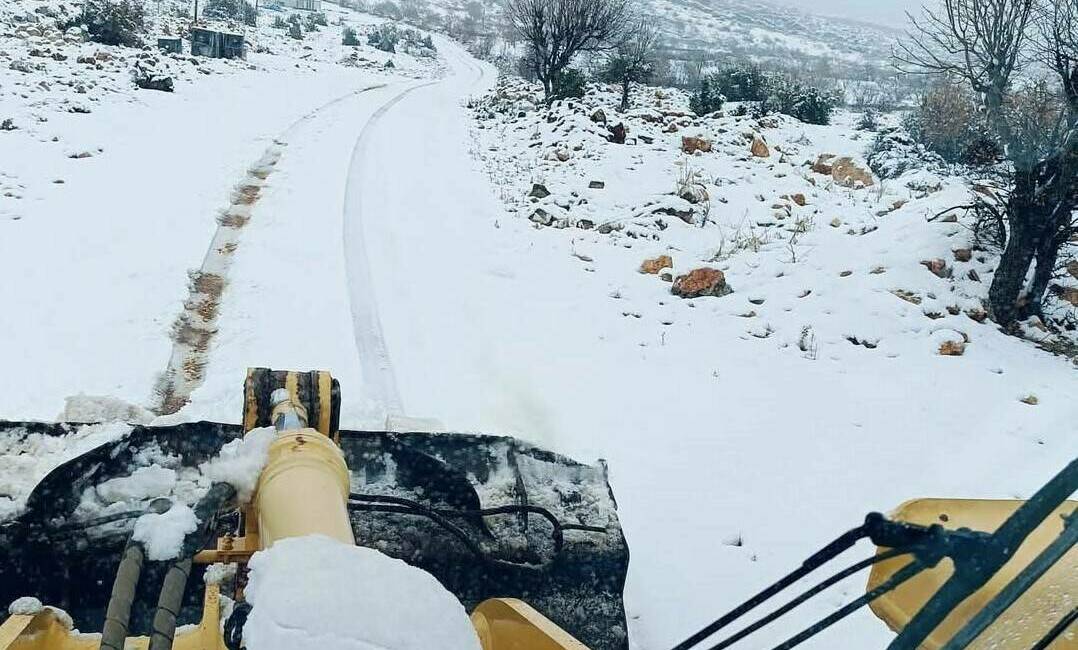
799 199
760 148
823 164
1072 268
599 117
617 133
952 348
938 267
1070 294
700 282
978 315
691 144
963 255
656 264
848 174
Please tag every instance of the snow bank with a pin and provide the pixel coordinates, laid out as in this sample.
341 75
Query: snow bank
313 592
162 535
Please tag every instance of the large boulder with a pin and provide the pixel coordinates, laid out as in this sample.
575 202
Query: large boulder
701 282
617 133
849 174
691 144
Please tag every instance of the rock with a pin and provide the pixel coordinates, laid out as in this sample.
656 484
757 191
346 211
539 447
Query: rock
560 154
836 223
701 282
541 217
539 191
952 348
978 315
1031 400
80 155
823 164
949 218
8 124
599 117
691 144
1072 268
694 194
646 139
848 174
760 148
617 133
666 276
1070 294
962 254
596 185
938 268
974 275
585 224
656 264
799 199
686 215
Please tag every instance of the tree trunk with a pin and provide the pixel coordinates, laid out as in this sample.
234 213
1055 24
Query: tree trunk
625 95
1010 278
1046 257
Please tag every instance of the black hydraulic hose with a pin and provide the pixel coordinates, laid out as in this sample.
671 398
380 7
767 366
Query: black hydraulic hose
807 594
447 525
557 526
902 575
170 599
824 555
169 603
118 615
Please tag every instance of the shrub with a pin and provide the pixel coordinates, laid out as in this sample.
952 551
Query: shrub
280 23
807 103
948 122
741 83
295 30
870 120
707 98
387 9
350 37
894 152
115 22
384 38
570 83
239 10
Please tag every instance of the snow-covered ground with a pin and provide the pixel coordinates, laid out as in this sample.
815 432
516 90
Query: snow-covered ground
393 246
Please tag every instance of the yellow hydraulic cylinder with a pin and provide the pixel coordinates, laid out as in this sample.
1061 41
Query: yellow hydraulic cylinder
303 490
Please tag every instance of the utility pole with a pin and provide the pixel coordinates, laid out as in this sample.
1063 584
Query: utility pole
196 13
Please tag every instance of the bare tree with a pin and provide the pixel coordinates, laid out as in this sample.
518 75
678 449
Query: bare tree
633 58
555 31
996 47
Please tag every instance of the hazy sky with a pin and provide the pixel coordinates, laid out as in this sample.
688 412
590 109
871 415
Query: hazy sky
886 12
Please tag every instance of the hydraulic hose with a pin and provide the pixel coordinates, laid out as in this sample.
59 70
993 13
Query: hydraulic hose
170 599
118 615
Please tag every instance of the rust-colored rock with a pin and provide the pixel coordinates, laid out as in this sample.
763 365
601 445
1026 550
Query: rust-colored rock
799 199
963 255
952 348
760 148
691 144
656 264
701 282
848 174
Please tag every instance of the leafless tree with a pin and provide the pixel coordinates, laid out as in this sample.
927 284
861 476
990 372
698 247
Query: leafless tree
555 31
633 58
997 48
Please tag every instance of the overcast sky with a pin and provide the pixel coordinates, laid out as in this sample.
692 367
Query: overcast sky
886 12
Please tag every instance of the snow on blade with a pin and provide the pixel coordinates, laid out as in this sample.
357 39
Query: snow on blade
240 462
28 458
162 535
314 593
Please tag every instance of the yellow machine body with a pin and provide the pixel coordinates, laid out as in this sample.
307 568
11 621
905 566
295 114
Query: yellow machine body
1025 622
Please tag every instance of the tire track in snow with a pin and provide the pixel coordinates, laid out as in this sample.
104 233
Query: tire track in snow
195 327
376 366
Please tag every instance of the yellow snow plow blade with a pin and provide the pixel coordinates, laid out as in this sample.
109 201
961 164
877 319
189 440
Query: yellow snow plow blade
1025 622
